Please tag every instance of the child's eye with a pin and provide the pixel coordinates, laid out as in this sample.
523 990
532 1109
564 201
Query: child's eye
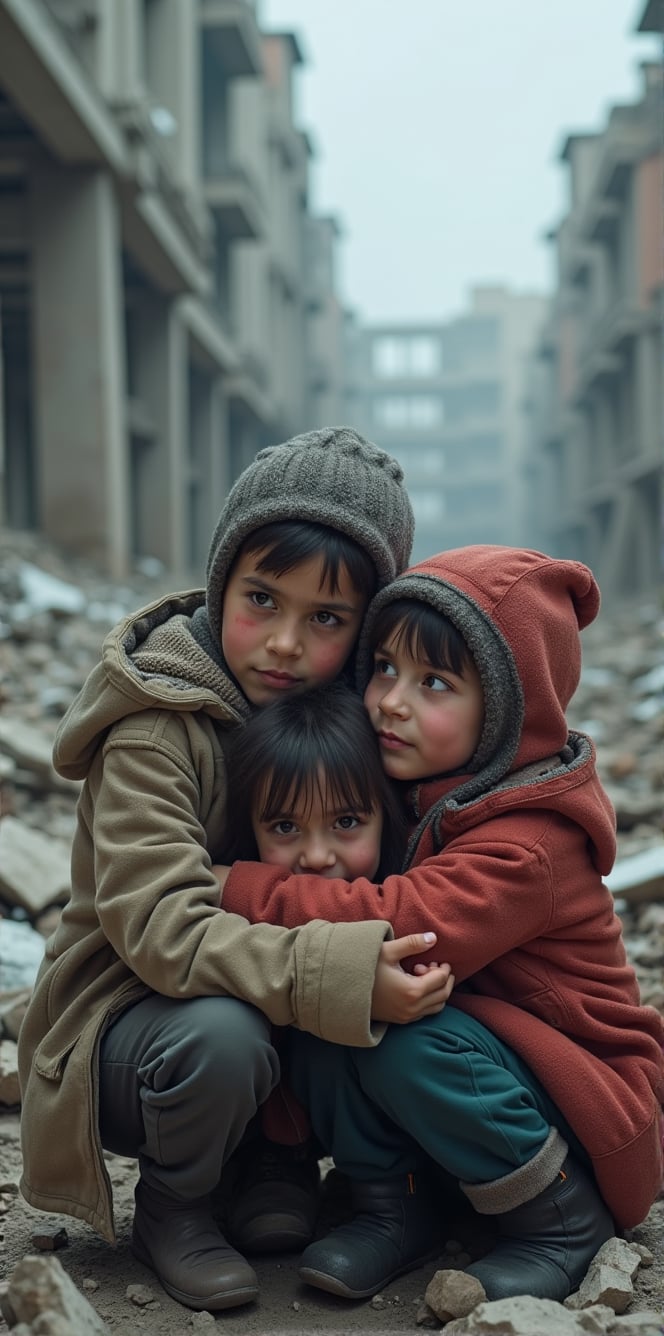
260 599
284 828
348 822
435 683
383 668
326 618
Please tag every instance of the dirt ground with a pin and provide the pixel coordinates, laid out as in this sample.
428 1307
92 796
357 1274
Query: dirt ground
285 1305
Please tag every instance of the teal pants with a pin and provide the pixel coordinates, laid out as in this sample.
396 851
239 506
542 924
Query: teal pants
444 1085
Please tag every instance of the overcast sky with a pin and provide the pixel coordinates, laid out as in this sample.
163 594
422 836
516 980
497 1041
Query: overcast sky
437 126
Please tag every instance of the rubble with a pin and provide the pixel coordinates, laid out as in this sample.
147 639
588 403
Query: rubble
41 1292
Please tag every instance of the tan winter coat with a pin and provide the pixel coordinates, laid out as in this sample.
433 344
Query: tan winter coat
146 734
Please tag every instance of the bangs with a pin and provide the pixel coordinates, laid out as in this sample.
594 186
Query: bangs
421 633
284 545
343 783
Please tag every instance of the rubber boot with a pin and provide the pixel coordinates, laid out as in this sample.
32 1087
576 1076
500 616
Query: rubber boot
274 1202
181 1243
395 1229
546 1245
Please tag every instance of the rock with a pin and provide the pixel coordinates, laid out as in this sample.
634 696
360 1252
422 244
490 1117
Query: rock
426 1317
32 749
638 1324
523 1316
38 1286
609 1277
453 1294
21 952
640 877
13 1004
48 1240
10 1094
34 868
141 1295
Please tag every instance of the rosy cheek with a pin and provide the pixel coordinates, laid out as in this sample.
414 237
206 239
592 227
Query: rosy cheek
327 661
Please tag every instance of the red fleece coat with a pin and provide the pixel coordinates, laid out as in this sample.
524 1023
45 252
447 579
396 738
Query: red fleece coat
511 882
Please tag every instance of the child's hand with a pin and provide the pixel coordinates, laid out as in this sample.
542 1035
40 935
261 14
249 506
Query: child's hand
398 997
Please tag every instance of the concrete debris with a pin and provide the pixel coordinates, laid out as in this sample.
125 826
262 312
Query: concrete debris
49 1240
609 1277
34 868
39 1290
453 1294
523 1316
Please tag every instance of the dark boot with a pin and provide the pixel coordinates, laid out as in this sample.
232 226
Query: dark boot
181 1243
274 1199
547 1245
394 1229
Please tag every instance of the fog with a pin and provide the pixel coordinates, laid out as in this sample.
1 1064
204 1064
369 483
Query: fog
437 129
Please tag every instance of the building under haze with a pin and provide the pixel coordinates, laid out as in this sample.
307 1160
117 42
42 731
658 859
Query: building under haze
166 297
448 401
596 452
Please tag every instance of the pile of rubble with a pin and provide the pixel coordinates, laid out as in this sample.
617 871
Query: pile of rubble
53 617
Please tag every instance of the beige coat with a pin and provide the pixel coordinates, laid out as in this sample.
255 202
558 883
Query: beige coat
146 735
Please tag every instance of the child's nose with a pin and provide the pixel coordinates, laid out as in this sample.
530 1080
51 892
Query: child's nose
317 855
283 638
393 702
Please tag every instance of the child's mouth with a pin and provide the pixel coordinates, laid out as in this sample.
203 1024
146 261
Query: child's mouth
274 679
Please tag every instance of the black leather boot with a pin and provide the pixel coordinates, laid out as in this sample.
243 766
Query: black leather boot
181 1243
546 1245
394 1229
274 1200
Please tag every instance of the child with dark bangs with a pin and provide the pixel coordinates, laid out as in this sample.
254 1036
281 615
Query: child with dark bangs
309 795
310 792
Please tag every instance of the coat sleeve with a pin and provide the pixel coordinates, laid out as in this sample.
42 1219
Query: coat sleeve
157 903
481 898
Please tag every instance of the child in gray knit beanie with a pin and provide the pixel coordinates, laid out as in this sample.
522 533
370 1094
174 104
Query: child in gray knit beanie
149 1029
332 477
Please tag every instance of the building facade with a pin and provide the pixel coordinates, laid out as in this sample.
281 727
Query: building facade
161 280
596 402
448 400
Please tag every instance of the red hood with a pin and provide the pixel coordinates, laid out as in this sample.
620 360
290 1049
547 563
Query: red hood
520 612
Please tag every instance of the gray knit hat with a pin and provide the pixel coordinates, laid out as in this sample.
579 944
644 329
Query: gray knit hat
332 476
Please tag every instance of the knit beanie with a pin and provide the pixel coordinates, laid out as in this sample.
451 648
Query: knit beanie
332 476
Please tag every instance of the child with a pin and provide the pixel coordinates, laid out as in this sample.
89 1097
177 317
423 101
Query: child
539 1089
309 789
139 1038
309 794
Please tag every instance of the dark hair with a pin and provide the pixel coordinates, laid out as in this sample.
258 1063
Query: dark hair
423 633
287 744
284 544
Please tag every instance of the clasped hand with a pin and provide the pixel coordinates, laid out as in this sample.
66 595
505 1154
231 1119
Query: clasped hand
399 997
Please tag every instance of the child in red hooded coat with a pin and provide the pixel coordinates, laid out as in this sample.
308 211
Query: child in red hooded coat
539 1087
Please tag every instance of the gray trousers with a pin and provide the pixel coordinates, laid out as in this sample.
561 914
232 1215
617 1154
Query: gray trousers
179 1082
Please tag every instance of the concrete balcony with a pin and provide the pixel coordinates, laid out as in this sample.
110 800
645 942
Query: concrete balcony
616 326
42 77
596 366
630 136
575 257
234 198
232 35
601 218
